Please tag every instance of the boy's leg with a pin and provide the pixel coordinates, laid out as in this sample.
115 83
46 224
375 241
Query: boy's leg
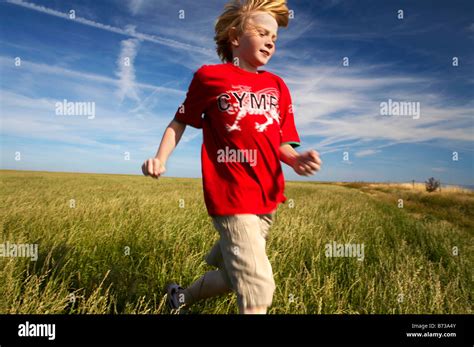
253 310
265 224
212 283
242 243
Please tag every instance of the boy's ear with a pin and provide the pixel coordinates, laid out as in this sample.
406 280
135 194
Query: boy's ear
233 37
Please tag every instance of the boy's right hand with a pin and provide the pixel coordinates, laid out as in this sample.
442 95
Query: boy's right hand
153 167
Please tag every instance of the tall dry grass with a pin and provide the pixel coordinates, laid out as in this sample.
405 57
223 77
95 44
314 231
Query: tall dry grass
127 236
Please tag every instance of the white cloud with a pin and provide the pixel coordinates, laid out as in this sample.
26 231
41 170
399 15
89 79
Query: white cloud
366 152
38 68
194 133
126 71
135 6
343 107
439 169
35 118
127 31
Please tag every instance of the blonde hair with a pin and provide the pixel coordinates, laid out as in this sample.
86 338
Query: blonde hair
237 12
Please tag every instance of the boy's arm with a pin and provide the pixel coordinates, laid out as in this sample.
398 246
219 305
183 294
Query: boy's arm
288 154
170 140
304 164
154 167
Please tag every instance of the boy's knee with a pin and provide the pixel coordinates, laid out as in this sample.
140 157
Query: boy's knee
253 310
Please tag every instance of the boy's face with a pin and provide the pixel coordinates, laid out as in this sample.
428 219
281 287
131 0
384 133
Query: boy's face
256 45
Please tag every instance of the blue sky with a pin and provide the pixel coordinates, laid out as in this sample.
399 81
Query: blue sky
337 108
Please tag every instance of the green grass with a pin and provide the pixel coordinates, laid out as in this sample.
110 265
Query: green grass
82 250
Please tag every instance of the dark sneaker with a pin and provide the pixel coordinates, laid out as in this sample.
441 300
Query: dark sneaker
174 299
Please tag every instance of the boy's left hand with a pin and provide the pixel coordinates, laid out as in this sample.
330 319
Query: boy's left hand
307 163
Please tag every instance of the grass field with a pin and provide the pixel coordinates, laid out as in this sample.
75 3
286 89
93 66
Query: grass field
122 238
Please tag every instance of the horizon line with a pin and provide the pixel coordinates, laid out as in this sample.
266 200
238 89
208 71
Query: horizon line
200 178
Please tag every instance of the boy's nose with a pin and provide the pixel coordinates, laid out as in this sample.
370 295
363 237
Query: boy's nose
269 45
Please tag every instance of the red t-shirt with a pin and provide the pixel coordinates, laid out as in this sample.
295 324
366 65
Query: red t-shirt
245 118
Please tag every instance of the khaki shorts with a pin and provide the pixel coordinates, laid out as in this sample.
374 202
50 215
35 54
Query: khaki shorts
240 255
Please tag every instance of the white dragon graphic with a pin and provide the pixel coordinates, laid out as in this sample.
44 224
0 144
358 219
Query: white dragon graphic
271 114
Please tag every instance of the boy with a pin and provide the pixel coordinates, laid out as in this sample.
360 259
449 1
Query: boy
248 127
